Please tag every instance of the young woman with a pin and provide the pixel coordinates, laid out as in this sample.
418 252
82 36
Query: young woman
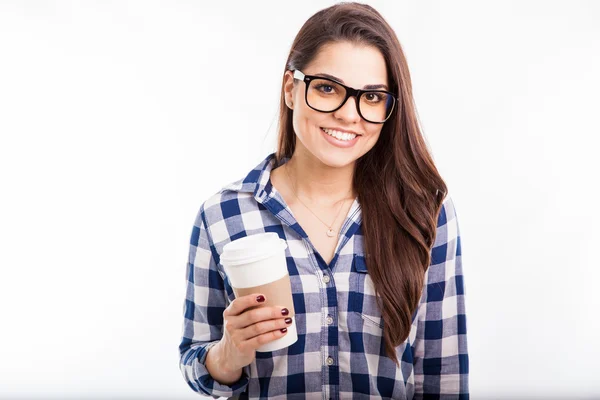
374 252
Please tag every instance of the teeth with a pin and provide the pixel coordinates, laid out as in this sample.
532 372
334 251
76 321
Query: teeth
339 135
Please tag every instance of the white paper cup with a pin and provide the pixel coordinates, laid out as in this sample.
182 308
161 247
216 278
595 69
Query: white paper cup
257 264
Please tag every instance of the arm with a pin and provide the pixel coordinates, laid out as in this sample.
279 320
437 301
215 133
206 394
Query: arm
205 302
441 361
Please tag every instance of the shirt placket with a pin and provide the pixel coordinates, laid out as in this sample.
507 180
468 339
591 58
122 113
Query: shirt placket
329 327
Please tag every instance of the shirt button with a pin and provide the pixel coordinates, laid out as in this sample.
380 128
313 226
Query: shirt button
329 361
326 278
329 320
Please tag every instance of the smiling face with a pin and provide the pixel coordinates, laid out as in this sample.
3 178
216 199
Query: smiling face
356 66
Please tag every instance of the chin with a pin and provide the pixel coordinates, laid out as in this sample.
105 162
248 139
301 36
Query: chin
337 160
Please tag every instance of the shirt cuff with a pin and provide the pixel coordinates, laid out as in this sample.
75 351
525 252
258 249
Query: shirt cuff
209 385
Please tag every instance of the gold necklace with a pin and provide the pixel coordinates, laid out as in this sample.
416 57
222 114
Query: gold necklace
330 232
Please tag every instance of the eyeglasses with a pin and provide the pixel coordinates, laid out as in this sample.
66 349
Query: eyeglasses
326 95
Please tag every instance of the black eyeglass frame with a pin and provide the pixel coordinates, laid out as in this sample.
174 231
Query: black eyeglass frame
350 92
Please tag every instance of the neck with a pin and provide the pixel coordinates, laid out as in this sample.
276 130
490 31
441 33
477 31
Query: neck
318 183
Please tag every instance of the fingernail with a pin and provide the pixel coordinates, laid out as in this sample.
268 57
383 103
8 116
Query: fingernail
288 320
260 298
285 311
283 330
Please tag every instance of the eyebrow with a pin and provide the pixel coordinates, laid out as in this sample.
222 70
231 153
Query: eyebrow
324 75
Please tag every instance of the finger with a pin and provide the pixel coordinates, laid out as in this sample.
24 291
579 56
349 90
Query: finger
264 327
261 314
265 338
241 304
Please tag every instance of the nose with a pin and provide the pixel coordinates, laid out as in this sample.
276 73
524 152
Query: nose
349 111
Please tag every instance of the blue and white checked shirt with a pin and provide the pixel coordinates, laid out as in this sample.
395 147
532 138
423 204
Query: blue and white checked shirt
340 352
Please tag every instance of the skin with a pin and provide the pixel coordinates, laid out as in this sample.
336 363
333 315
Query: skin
326 170
323 176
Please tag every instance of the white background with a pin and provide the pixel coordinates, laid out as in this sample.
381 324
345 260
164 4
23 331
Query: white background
119 118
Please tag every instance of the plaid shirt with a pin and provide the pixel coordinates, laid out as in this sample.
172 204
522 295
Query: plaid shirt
339 353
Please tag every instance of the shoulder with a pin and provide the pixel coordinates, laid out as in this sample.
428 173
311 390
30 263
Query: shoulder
446 248
447 211
447 222
224 204
221 215
238 197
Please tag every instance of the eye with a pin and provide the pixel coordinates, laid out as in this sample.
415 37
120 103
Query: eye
325 88
373 97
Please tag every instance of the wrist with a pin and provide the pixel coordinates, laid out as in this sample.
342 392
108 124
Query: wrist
218 366
222 360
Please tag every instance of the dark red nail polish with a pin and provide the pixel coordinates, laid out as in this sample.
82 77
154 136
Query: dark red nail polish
260 298
285 311
288 320
283 330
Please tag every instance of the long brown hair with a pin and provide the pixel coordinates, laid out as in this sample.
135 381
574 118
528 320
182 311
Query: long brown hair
400 229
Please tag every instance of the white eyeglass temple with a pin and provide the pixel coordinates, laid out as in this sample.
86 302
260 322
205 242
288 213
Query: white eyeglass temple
298 75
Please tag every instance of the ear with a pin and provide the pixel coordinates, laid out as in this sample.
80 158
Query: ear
288 88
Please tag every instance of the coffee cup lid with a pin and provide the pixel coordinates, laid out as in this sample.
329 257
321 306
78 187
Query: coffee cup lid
252 248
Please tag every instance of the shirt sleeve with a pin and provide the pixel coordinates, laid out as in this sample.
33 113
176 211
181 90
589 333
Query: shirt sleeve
440 357
205 301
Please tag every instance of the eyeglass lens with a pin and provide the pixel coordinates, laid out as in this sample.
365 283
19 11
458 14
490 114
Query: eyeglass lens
326 95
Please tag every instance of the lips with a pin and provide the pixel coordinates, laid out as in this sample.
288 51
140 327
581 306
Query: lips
340 135
339 143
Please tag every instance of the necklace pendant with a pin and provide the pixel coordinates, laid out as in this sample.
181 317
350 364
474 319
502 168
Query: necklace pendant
330 232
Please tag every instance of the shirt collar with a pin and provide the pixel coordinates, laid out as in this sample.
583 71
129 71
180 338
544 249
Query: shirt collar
257 181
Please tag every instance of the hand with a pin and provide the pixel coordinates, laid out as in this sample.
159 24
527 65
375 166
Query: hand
246 328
